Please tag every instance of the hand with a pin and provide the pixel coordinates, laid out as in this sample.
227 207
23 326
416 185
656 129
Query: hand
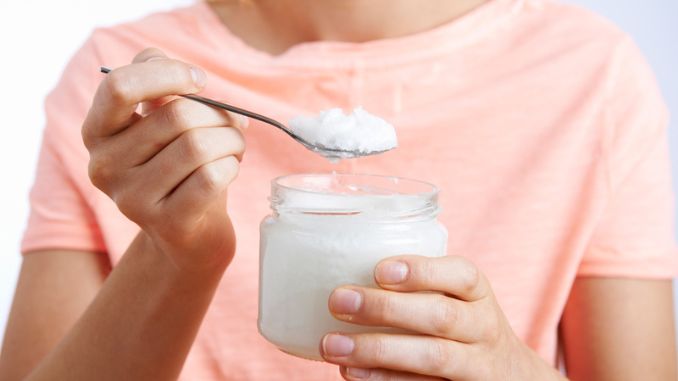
167 169
458 331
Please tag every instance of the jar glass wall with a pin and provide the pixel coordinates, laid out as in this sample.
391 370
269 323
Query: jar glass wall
328 230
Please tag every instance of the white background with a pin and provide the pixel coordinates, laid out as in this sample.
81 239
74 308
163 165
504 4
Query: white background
38 36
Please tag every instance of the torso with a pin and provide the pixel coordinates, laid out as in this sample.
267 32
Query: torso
514 168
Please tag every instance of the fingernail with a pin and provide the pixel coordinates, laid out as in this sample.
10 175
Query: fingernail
199 77
391 272
358 373
337 345
345 301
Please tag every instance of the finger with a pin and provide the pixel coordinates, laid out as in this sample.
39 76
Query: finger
452 275
152 54
356 374
149 54
149 107
140 142
405 353
431 314
186 154
202 188
124 88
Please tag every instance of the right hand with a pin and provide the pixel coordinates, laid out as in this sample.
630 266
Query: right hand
167 169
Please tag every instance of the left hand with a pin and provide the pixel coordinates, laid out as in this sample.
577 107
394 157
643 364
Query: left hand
458 331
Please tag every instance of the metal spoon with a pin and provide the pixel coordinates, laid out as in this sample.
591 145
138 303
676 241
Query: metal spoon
328 152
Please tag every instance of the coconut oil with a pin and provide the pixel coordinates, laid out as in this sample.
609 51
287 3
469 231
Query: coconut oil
357 131
328 230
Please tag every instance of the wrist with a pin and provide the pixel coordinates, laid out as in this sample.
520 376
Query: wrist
526 364
163 259
540 369
205 248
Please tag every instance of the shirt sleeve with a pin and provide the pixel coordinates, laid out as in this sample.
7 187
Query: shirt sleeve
61 216
635 234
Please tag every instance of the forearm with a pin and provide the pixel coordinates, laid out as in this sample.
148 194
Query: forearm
140 326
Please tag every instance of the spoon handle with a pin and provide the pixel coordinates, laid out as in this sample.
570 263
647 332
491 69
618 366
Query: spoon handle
237 110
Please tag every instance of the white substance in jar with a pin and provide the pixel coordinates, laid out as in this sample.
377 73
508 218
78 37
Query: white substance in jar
359 131
331 230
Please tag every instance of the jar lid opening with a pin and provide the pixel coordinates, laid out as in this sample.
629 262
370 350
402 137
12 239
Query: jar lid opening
353 194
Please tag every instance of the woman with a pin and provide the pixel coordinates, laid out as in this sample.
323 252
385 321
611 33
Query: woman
541 124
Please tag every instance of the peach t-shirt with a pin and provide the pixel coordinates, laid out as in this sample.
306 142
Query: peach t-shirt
541 124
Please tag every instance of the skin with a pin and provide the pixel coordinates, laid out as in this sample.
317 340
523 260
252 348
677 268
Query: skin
608 322
462 333
168 170
274 26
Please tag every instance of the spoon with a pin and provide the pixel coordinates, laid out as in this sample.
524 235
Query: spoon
328 152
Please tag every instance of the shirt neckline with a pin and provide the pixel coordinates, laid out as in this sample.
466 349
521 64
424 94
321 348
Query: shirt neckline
338 54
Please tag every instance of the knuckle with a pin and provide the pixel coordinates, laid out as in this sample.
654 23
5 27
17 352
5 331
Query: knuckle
181 73
87 140
145 54
117 86
128 203
94 174
444 316
238 140
385 308
469 275
86 135
147 51
100 171
425 273
192 146
210 179
175 114
233 168
439 357
378 351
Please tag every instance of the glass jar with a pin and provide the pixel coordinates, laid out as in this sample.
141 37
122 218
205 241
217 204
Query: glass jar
328 230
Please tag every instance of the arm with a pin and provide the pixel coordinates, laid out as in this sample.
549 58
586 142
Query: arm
620 329
156 309
168 172
54 289
140 325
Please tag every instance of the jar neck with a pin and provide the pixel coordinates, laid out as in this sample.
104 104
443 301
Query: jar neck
363 197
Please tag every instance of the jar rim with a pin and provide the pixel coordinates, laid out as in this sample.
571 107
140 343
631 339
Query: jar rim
352 194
